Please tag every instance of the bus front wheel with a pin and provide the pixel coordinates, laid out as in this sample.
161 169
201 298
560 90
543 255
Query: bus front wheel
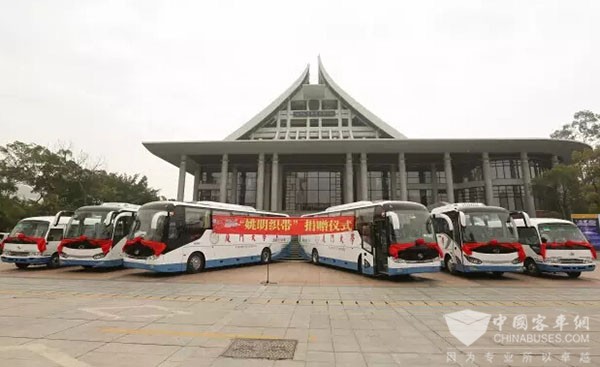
531 267
54 261
449 265
574 274
315 256
195 263
265 256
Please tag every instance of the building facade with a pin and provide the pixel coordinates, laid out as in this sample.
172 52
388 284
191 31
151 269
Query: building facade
315 146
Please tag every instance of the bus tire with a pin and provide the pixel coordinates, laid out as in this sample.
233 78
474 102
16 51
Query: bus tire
265 256
449 265
531 267
54 261
574 274
195 263
21 265
359 266
315 256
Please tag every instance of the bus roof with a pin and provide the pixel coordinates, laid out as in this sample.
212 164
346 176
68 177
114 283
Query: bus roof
465 207
538 221
367 204
50 219
111 207
215 205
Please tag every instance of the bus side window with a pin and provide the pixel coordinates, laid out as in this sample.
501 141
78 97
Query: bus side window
364 224
55 234
441 226
195 223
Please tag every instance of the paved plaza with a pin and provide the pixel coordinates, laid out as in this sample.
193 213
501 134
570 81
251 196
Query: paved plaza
75 318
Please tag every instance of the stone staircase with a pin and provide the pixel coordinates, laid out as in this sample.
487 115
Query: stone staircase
292 251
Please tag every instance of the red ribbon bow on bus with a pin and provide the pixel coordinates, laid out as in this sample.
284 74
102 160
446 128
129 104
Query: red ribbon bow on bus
105 245
22 238
157 247
468 247
397 247
569 243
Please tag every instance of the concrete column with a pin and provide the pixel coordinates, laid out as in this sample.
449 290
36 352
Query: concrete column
197 174
181 182
224 171
393 182
234 185
403 178
364 188
555 161
260 182
349 184
528 191
449 178
274 182
434 184
267 192
487 178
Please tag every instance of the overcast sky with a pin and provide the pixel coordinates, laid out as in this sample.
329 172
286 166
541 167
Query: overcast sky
106 75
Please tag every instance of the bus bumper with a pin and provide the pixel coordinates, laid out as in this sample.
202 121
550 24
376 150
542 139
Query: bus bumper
92 263
489 268
565 268
31 260
158 267
414 270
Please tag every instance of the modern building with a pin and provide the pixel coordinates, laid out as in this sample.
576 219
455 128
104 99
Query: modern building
315 146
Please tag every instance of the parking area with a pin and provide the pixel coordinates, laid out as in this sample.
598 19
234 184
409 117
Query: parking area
77 318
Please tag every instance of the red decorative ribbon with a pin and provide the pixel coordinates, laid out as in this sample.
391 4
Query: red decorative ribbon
157 247
104 244
569 243
22 238
468 247
398 247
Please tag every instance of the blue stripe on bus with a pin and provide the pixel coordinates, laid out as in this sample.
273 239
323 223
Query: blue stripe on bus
93 263
337 262
162 268
405 271
565 268
488 268
26 260
232 261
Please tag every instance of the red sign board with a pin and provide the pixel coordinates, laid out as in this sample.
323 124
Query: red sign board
281 226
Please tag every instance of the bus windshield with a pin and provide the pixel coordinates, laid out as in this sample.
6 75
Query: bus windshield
89 223
485 226
560 232
411 226
31 228
150 224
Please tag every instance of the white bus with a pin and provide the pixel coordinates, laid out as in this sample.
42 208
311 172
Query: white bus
389 238
170 236
95 235
481 239
555 246
35 240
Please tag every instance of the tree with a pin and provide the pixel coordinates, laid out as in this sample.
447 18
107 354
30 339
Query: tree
584 127
61 181
560 189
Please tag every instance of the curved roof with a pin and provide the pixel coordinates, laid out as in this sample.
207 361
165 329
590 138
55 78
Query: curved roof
271 108
324 78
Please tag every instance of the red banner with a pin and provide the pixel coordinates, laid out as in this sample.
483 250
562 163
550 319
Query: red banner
281 226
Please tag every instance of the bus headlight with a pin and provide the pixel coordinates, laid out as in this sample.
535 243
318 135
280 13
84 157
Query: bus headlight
553 260
516 261
153 257
473 260
35 254
588 260
98 256
398 260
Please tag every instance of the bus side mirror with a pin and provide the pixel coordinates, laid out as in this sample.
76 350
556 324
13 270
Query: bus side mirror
544 239
462 219
446 219
62 213
108 218
393 218
521 215
156 217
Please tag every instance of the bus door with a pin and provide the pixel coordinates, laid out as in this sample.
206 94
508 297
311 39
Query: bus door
380 243
456 245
